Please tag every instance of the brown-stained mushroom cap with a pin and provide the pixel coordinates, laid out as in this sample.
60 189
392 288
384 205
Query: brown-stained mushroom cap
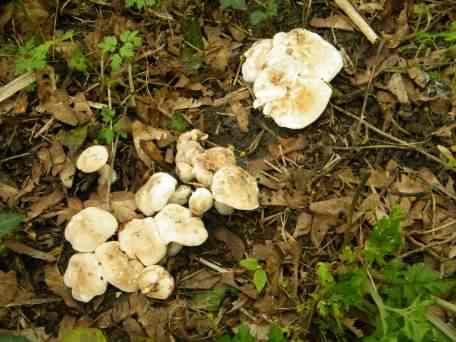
156 282
85 277
92 159
154 195
139 239
90 228
236 188
117 268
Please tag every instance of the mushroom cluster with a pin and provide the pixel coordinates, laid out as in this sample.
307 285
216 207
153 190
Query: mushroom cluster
171 218
290 75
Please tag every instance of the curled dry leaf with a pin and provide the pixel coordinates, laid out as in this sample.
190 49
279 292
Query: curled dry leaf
44 203
143 134
336 21
234 243
332 207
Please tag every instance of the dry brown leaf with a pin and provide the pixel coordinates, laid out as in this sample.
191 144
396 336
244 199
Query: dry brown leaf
67 173
202 280
379 178
123 206
303 225
20 248
321 224
44 203
287 146
409 185
234 243
143 133
336 21
242 115
59 105
8 287
54 281
8 190
122 308
396 85
332 207
402 30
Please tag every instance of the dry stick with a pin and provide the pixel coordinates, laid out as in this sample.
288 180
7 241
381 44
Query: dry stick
359 21
389 136
16 85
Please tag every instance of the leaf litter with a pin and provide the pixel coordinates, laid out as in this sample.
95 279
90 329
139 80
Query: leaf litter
322 189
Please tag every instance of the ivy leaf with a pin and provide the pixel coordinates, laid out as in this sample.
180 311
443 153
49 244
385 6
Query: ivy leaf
9 220
250 264
234 4
385 238
84 335
260 278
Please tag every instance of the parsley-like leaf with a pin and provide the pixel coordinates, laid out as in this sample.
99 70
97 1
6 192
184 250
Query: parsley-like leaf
108 45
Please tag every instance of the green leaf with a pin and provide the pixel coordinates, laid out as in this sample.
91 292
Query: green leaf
250 264
32 57
107 115
257 17
108 45
260 278
79 61
131 37
350 287
178 123
116 62
73 139
85 335
243 335
234 4
11 338
276 334
9 220
209 300
140 4
325 277
106 135
385 238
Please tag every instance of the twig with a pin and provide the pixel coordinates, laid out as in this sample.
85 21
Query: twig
441 325
16 85
211 265
357 19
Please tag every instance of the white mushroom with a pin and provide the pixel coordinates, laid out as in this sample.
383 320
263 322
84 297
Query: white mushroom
200 201
187 150
107 175
304 102
156 282
184 172
176 224
315 56
117 268
90 228
85 277
223 209
139 239
181 195
92 159
202 175
192 135
154 195
235 187
256 58
206 163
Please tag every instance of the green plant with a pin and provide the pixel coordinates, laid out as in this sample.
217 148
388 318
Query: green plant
140 4
121 52
9 221
431 37
447 156
243 334
84 335
260 12
260 278
110 128
11 338
393 296
32 56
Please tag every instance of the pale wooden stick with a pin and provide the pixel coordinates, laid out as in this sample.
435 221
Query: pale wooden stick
16 85
359 21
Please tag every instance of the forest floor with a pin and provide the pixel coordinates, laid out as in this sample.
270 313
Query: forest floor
387 140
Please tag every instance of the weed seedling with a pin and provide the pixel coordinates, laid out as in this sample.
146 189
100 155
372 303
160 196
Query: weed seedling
141 4
260 278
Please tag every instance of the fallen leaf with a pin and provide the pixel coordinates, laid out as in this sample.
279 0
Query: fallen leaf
303 225
44 203
8 287
234 243
242 115
54 281
142 133
123 206
321 224
336 21
20 248
396 86
332 207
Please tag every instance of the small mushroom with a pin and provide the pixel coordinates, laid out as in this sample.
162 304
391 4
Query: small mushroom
156 282
187 150
236 188
256 59
107 175
174 249
176 224
184 172
139 239
181 195
154 195
117 268
304 102
206 163
89 228
223 209
85 277
200 201
192 135
92 159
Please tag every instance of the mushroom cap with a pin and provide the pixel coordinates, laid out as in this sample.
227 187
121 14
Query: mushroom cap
235 187
305 101
256 59
187 150
203 176
184 172
117 268
92 159
156 282
194 134
176 224
123 206
139 239
85 277
215 158
317 56
107 175
154 195
200 201
181 195
89 228
223 209
270 85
